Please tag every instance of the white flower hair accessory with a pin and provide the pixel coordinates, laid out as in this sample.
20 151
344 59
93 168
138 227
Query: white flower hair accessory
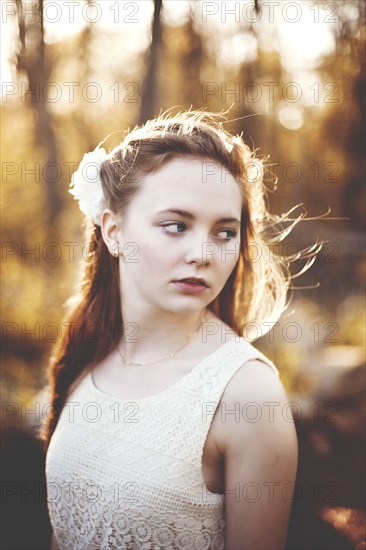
86 186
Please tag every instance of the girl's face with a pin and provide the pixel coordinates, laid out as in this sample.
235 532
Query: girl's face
183 222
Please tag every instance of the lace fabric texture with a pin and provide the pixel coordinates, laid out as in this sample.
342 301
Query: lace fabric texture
126 474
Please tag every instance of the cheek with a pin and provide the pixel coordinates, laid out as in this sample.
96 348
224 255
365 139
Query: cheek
227 258
153 256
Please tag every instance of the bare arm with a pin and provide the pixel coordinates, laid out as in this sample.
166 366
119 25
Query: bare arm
260 455
54 543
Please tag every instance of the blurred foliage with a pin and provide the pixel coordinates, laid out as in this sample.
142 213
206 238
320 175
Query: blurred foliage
315 145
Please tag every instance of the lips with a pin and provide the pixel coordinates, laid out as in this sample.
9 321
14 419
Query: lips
193 280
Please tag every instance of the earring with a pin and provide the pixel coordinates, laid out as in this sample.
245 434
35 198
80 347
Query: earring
115 250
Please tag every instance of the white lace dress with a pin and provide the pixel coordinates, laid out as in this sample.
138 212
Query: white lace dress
126 474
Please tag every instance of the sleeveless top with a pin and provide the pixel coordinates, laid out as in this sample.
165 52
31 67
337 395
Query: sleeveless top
126 473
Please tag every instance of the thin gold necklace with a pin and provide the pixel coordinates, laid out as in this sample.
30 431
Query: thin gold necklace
170 355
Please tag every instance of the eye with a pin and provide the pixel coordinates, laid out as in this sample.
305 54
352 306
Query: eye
173 224
232 233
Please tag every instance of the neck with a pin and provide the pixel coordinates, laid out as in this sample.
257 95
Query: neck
151 336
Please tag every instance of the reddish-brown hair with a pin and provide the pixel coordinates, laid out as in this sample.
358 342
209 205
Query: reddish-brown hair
255 292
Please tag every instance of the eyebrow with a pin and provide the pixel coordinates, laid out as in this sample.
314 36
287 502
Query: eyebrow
190 216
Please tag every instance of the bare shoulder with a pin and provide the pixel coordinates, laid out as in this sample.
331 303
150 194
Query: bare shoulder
254 380
261 406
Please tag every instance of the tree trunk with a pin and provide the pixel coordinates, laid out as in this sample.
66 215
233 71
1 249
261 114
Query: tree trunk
34 65
148 96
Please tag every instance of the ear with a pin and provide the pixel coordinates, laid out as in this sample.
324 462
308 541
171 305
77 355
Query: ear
111 230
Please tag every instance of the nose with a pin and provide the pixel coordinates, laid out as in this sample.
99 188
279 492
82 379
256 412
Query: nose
201 250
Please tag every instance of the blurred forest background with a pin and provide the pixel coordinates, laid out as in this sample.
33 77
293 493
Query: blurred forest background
293 75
